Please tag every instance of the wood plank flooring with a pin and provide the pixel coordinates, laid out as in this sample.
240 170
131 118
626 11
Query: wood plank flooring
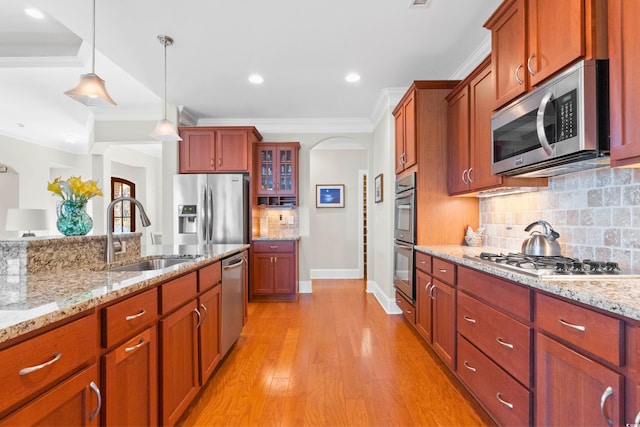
333 358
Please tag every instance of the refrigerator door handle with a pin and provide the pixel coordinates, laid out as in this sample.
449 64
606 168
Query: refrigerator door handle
204 215
210 221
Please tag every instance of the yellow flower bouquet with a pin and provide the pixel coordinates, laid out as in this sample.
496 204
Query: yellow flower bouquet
73 219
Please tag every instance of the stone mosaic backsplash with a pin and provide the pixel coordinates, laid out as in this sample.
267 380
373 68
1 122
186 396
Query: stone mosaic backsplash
56 254
266 223
596 212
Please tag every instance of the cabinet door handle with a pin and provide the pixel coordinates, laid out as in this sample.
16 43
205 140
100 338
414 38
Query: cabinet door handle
518 79
211 162
469 175
608 392
504 402
96 390
219 161
506 344
469 367
571 325
30 369
636 421
206 312
464 181
135 347
199 317
533 73
135 316
432 293
275 259
469 319
426 288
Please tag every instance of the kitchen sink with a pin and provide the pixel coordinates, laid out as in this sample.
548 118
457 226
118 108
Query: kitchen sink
156 263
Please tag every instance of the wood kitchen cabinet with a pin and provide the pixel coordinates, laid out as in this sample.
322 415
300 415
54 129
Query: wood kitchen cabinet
423 296
632 399
210 304
216 149
443 310
276 174
624 82
533 39
407 308
469 150
405 131
273 270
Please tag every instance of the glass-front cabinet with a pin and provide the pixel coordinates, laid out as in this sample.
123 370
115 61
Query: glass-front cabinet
277 172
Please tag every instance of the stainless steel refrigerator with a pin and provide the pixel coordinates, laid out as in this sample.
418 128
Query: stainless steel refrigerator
211 208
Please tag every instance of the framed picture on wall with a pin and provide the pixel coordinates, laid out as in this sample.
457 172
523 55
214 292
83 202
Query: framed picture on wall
378 189
330 196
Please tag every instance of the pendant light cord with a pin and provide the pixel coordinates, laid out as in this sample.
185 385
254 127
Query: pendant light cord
164 104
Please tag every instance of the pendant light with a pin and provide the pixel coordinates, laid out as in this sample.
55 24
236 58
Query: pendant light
165 131
90 90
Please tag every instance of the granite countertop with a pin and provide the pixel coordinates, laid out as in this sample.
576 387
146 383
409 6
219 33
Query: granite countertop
31 301
619 296
257 239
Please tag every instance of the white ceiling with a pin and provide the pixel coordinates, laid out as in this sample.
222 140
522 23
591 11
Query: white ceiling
303 49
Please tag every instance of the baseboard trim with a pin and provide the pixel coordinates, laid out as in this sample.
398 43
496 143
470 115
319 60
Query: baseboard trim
388 304
304 287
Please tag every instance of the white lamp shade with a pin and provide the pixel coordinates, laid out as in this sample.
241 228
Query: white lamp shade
91 91
165 131
26 219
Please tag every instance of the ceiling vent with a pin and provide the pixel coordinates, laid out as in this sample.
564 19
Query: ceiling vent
423 4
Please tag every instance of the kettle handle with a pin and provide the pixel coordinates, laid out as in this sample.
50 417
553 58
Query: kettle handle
549 232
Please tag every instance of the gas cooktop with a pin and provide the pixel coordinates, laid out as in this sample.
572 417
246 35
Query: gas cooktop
554 267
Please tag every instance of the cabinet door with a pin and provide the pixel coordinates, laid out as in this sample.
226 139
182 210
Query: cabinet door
266 168
262 274
410 149
508 52
179 362
571 387
286 169
284 273
624 63
480 100
197 150
74 402
232 151
399 140
458 142
423 304
131 382
209 332
444 326
556 36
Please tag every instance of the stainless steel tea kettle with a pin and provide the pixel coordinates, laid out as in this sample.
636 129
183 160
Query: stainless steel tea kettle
538 244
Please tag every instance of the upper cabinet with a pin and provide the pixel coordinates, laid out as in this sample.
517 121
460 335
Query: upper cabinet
624 83
533 39
469 148
276 173
216 149
405 127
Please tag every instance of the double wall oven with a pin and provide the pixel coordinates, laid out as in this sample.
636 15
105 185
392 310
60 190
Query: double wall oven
404 235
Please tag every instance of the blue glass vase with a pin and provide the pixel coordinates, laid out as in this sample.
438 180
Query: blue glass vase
73 219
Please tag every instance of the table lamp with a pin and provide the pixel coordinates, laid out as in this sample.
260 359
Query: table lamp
26 219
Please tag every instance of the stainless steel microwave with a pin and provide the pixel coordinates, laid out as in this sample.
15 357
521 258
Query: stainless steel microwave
560 127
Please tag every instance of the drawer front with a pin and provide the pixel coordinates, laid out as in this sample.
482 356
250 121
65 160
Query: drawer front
408 310
444 271
209 276
423 262
178 291
505 340
507 401
125 318
508 297
586 329
33 365
274 246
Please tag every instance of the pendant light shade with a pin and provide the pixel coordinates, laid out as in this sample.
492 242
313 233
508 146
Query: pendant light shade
91 90
165 130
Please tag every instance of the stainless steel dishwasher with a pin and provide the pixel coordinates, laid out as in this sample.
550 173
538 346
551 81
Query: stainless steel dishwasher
233 277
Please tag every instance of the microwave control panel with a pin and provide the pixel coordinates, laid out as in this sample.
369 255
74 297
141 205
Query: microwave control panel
566 108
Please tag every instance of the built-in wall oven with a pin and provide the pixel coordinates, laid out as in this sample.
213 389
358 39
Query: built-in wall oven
404 235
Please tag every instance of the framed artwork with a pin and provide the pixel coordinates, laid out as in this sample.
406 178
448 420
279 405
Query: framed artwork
378 189
330 196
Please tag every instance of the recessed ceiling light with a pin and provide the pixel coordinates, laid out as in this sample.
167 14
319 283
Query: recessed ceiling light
256 79
34 13
352 77
419 3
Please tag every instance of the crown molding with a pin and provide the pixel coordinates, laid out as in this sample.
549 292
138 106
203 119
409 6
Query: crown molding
388 99
476 57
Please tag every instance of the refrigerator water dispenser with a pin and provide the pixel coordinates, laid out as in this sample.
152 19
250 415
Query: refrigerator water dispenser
187 219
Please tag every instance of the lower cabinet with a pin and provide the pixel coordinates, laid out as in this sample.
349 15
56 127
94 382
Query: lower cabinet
76 401
423 304
274 268
209 305
408 309
444 321
632 412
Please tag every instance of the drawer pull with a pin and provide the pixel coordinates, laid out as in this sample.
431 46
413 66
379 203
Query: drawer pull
607 393
96 390
506 344
25 371
442 270
206 312
571 325
408 311
199 317
135 316
469 319
135 347
504 402
469 367
273 247
636 421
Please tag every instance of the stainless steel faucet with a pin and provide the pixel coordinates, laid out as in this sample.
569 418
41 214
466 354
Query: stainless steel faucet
110 251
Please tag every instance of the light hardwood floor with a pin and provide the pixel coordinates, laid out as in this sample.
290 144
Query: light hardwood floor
333 358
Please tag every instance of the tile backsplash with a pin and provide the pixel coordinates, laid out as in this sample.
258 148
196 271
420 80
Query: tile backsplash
267 222
596 212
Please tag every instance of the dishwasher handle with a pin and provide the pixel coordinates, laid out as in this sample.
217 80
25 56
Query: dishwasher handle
234 265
